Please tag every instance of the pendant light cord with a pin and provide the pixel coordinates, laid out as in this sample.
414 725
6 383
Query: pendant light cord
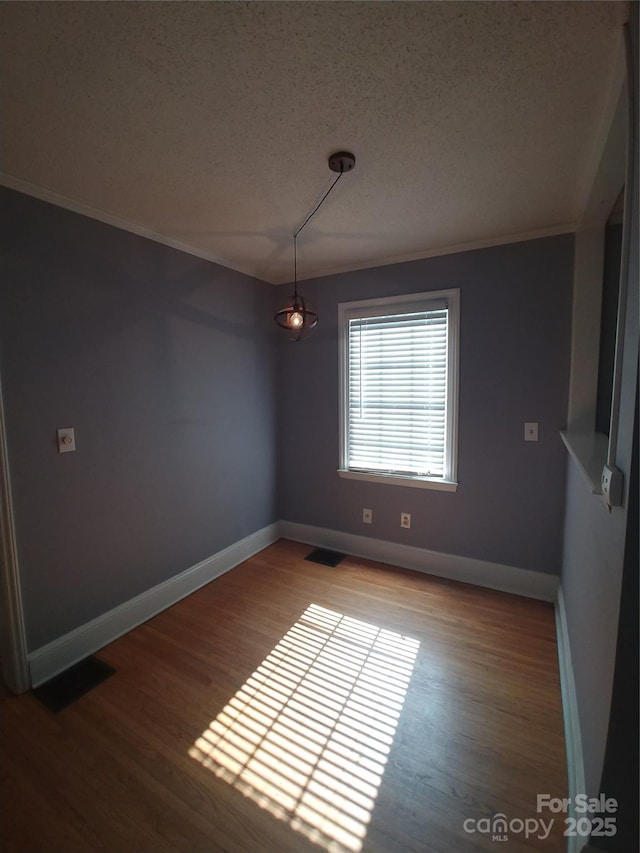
295 235
318 205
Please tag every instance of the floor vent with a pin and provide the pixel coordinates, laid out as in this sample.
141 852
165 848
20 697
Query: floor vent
324 557
70 685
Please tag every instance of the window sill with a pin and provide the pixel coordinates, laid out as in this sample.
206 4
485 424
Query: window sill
397 480
589 451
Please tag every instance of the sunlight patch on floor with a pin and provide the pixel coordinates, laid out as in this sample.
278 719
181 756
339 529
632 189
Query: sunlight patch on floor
308 734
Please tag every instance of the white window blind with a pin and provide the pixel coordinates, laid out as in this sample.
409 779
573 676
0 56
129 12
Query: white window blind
397 373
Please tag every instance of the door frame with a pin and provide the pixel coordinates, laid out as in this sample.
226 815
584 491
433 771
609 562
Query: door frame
13 645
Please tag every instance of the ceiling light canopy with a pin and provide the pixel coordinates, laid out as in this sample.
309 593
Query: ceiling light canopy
297 317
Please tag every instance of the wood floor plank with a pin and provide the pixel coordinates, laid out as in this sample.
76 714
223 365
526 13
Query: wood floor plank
191 748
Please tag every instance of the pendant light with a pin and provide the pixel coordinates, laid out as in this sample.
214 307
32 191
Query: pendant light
297 317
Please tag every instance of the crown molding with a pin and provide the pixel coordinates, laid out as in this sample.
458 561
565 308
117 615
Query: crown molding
453 249
53 197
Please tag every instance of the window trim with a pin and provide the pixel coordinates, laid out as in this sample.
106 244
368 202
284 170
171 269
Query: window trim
449 481
590 450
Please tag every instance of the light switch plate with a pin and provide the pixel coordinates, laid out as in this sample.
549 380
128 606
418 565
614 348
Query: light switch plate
66 440
531 431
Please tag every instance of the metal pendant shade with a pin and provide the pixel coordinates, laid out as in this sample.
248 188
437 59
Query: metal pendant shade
297 317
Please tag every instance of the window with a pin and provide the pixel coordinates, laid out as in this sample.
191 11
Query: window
399 389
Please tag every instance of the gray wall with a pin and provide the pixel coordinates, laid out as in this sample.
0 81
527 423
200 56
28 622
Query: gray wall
591 578
164 364
514 357
620 772
594 542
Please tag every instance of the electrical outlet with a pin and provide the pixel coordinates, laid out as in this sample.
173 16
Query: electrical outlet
367 516
612 482
405 519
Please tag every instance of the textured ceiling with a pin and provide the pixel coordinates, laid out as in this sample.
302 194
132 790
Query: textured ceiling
210 123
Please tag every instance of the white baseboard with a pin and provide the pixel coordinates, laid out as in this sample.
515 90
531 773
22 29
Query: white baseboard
53 658
464 569
572 735
63 652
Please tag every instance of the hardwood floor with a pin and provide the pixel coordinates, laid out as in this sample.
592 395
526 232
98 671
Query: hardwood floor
291 707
